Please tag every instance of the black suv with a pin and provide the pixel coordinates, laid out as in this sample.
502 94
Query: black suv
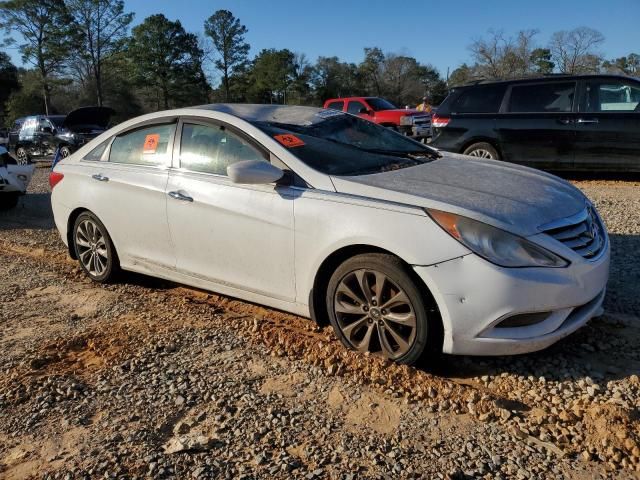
558 122
40 135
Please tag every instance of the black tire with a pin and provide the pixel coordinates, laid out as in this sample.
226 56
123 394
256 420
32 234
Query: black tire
9 200
398 277
111 261
482 150
65 152
22 157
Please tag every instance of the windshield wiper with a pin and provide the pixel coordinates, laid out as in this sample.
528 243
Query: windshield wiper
412 154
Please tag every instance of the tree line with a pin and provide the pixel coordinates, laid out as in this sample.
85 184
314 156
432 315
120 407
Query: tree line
84 52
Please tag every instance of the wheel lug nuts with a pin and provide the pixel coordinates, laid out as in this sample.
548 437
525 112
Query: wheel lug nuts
374 303
366 308
383 311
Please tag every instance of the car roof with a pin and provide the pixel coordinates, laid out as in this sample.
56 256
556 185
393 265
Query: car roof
546 78
293 114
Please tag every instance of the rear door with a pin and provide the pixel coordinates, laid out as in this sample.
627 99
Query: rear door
536 126
336 105
237 236
128 182
608 125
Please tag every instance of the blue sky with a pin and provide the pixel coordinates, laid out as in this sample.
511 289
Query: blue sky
436 32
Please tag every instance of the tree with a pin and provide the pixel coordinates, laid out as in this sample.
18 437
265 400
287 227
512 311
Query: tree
541 61
272 73
332 78
44 26
575 51
103 27
629 65
371 69
167 61
227 34
460 76
27 99
500 57
8 82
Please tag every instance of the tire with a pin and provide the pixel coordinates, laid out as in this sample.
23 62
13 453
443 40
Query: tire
94 249
482 150
22 157
364 324
65 152
9 200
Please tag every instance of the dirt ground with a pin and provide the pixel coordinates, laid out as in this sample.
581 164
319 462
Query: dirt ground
149 379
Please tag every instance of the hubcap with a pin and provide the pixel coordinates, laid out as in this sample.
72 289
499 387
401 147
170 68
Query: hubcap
481 153
92 248
375 314
22 157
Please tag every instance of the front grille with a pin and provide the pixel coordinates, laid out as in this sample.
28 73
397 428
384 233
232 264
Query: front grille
420 119
584 234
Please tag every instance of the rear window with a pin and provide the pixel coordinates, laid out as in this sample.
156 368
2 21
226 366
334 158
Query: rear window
484 99
336 105
542 97
146 146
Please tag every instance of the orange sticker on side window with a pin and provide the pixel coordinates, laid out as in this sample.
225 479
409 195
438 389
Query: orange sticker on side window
151 143
289 140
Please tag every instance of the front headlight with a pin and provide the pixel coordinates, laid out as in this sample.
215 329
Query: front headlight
406 120
497 246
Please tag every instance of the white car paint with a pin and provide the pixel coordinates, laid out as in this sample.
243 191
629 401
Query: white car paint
266 243
14 178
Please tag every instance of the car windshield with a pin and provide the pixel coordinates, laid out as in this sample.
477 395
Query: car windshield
339 144
380 104
57 121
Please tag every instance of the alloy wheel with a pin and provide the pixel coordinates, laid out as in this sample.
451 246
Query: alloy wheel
92 248
22 158
481 153
375 314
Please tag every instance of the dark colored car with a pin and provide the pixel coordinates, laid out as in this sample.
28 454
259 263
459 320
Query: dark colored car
40 136
558 122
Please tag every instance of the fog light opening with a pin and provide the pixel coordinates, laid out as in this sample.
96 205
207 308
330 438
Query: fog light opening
523 320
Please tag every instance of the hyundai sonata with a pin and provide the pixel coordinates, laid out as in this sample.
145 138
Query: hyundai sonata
322 214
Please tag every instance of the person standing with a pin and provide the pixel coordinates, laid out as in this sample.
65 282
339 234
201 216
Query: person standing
425 106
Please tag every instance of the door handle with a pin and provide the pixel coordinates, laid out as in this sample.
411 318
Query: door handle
180 196
100 177
588 120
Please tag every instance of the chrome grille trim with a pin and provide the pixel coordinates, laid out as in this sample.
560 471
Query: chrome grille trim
583 233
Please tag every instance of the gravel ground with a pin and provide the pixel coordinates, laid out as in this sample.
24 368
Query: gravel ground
146 378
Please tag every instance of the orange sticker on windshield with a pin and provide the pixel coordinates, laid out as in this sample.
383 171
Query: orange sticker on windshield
289 140
151 143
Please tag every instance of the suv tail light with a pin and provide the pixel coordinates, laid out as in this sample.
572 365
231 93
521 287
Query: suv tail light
54 179
439 122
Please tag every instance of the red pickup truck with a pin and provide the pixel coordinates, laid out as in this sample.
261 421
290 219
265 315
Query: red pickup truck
408 121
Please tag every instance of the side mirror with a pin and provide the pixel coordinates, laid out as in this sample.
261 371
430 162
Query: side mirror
254 172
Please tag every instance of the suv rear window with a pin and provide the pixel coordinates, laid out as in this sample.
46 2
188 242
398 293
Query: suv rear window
484 99
336 105
542 97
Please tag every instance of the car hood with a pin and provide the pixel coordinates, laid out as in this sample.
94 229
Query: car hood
98 116
514 198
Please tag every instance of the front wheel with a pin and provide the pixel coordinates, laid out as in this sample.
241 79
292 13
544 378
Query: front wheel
94 248
375 305
22 156
482 150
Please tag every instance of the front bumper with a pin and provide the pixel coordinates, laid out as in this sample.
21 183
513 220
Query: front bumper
473 296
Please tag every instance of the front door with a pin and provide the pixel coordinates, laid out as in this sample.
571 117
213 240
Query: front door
608 126
238 236
537 126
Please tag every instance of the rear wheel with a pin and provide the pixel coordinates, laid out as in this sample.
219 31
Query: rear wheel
9 200
94 248
22 157
374 305
482 150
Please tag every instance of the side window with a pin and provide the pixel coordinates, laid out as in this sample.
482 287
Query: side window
355 107
145 146
212 148
543 97
611 96
29 127
336 105
96 154
484 99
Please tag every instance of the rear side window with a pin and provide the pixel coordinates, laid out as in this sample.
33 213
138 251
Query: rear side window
212 148
542 98
336 105
484 99
96 154
611 96
145 146
355 107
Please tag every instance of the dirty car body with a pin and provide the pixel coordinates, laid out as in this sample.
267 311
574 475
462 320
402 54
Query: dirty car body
511 259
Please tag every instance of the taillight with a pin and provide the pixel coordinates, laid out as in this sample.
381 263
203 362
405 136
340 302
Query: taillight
54 178
439 122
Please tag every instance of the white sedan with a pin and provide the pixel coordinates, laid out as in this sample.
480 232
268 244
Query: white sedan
319 213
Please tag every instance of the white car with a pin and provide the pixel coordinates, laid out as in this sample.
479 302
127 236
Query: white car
322 214
14 179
